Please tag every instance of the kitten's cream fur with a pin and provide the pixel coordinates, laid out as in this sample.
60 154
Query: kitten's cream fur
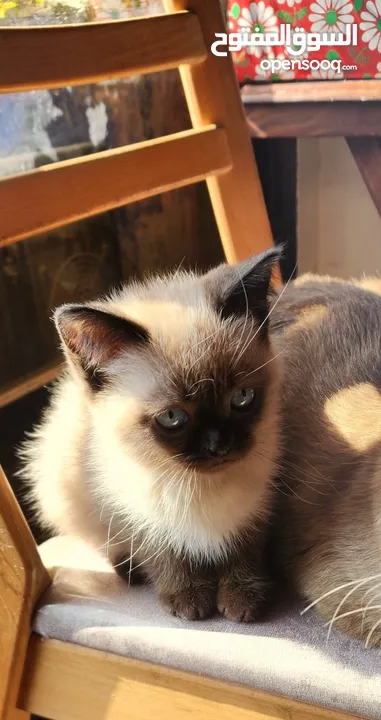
98 472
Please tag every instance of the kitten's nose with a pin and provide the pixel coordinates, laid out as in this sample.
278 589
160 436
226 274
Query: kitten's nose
216 444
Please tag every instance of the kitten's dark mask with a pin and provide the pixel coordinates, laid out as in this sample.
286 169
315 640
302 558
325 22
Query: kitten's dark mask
213 433
93 337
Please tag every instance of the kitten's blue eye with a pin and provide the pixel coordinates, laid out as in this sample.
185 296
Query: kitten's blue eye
172 419
242 399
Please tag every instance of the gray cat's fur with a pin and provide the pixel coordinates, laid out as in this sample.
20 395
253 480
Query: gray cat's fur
328 526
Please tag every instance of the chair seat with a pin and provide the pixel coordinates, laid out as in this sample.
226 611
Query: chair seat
287 654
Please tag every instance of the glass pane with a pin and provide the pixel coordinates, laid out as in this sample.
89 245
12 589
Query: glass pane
82 260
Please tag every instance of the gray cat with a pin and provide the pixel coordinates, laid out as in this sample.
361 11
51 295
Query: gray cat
327 538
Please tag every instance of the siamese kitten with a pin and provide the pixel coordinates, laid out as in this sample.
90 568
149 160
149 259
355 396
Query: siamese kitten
161 440
327 536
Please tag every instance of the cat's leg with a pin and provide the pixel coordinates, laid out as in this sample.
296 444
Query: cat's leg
185 588
244 585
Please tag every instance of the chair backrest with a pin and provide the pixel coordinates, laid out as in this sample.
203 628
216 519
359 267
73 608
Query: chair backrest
217 149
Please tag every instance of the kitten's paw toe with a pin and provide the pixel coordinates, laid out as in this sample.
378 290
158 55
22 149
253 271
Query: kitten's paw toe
240 605
189 605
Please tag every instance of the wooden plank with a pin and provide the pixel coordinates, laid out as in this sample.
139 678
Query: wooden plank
60 193
52 57
313 91
367 154
22 580
213 96
67 682
313 119
29 384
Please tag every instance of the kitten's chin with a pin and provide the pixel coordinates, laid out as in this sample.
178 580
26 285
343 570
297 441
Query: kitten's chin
213 464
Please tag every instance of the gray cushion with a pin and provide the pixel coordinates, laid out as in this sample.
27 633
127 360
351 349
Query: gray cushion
287 654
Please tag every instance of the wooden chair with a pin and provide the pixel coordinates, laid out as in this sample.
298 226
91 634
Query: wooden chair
58 679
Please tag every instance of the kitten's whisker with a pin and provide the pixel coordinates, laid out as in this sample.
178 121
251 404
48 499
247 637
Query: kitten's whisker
337 589
120 542
314 469
246 314
278 488
108 534
131 556
356 612
176 272
245 345
293 492
300 480
372 630
370 601
109 540
274 357
206 338
276 301
319 478
198 382
102 510
371 589
151 557
340 605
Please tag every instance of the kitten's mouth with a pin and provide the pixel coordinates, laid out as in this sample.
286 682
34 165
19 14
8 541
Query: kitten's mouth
212 464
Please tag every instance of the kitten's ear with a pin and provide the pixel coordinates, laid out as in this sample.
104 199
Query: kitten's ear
245 287
92 338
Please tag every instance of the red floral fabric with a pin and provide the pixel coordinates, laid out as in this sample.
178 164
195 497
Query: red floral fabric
360 60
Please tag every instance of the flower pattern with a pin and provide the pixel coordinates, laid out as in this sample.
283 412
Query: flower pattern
290 3
330 15
371 25
257 15
360 59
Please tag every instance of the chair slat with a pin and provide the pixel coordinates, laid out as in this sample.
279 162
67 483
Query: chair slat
51 57
61 193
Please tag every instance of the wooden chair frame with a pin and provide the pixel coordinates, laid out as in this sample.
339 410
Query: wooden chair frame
58 680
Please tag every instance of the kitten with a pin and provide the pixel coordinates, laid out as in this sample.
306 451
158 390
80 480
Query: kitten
161 441
327 536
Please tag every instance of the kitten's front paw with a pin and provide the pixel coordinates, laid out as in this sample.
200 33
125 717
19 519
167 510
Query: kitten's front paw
190 603
241 604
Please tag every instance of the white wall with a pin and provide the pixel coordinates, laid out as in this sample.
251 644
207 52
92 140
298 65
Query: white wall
339 229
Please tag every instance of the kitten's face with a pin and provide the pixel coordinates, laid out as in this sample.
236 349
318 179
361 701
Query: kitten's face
186 378
207 408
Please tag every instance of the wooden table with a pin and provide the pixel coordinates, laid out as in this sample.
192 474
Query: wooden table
348 108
